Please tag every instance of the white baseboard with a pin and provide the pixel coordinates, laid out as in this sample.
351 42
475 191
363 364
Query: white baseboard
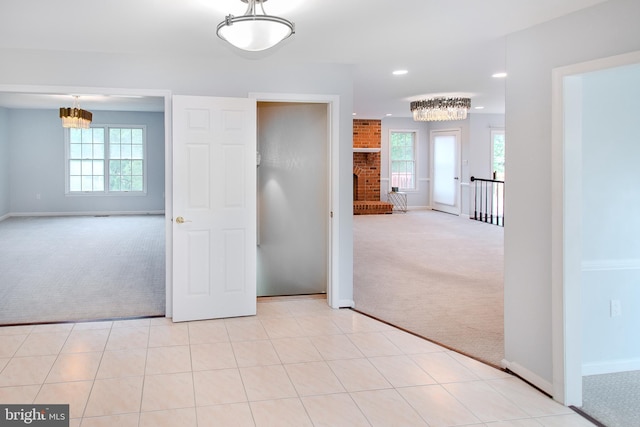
610 367
611 264
529 376
88 213
3 217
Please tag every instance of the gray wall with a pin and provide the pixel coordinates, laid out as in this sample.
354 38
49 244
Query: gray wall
4 162
38 165
610 227
209 76
604 30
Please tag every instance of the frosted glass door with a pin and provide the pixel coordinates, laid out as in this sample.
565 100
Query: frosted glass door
292 199
446 172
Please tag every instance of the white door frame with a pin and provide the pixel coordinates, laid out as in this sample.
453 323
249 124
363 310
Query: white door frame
458 133
333 216
566 245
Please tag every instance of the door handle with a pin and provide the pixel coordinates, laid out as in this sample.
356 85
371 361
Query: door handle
181 220
455 177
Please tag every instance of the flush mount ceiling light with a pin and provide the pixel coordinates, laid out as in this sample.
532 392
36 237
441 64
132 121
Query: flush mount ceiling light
75 117
440 109
252 31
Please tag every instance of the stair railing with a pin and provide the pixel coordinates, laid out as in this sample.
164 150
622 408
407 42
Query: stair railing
488 201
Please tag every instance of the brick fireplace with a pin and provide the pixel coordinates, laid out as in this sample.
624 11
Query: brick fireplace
366 168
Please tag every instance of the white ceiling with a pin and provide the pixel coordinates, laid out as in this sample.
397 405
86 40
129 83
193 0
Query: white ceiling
449 47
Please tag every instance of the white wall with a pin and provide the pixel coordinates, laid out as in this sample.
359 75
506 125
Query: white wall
604 30
4 162
37 156
479 149
210 76
475 155
610 247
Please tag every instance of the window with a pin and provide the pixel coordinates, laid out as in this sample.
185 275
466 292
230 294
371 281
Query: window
403 159
497 154
106 159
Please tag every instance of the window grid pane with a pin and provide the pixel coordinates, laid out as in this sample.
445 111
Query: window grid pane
87 154
126 171
403 162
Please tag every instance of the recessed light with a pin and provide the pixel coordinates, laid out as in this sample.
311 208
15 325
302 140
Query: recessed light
388 114
353 114
499 75
400 72
479 107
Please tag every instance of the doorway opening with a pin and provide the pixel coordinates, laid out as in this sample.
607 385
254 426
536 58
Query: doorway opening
594 264
51 204
322 114
293 189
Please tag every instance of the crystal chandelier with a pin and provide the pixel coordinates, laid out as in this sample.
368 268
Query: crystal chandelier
440 109
75 117
252 31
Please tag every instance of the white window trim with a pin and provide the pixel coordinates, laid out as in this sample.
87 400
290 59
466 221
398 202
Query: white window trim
415 157
106 191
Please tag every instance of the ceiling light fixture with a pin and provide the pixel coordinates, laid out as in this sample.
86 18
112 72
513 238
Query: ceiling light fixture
400 72
75 117
440 109
255 32
499 75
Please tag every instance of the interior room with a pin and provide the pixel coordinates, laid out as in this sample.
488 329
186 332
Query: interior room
318 361
103 252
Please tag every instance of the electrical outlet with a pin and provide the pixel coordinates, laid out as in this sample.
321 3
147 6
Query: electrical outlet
616 308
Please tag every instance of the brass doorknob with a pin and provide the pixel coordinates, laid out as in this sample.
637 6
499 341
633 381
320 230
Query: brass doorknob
180 220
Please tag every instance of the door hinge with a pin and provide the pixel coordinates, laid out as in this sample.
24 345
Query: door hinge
331 214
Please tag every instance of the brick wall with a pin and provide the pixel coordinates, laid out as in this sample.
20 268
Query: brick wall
366 166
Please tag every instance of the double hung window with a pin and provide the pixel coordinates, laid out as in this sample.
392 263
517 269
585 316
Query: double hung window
402 145
106 159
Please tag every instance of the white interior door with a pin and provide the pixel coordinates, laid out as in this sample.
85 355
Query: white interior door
445 188
214 207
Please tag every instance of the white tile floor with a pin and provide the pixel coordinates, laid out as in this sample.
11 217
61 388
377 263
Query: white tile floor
297 363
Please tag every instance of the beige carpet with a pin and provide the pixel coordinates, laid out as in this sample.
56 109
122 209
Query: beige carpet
437 275
76 268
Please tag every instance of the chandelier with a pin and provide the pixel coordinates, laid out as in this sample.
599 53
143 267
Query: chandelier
75 117
252 31
440 109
